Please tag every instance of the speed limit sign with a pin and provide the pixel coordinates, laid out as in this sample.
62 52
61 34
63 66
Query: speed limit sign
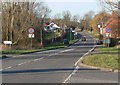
31 30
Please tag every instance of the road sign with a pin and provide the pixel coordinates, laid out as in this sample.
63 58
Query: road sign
99 26
108 34
31 30
31 35
101 31
7 42
107 40
108 30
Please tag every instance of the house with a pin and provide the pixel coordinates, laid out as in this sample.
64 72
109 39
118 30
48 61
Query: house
112 27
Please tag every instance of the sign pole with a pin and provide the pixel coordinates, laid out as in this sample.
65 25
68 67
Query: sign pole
31 34
31 43
108 30
108 40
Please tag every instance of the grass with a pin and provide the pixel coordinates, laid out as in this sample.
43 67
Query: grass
20 51
110 49
48 47
102 60
73 41
55 46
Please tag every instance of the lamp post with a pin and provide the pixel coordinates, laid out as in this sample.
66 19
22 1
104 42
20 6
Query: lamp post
55 35
41 32
70 33
41 35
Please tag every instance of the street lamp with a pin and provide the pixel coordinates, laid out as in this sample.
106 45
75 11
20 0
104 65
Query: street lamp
70 33
41 32
55 35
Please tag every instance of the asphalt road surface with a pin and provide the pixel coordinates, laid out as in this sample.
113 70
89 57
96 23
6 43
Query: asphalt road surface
55 66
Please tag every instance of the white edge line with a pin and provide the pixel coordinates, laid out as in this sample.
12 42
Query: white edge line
74 71
21 64
76 64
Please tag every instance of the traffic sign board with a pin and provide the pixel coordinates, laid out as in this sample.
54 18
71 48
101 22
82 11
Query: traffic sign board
108 40
108 30
31 30
99 26
108 34
7 42
31 35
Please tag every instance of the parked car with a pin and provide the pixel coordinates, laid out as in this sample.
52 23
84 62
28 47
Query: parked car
66 41
83 38
99 42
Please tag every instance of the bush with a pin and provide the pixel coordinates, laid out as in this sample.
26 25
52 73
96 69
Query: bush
113 42
100 37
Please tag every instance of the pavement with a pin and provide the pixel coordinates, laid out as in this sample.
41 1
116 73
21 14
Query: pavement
55 66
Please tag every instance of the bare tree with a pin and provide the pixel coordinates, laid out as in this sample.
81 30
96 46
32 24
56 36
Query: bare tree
87 18
76 17
66 18
111 5
18 17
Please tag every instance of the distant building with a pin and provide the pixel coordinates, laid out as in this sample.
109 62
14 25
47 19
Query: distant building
113 25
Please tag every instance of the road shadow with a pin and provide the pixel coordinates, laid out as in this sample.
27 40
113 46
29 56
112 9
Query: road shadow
44 70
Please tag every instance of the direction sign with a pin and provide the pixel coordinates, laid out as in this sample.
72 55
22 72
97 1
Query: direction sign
31 30
108 30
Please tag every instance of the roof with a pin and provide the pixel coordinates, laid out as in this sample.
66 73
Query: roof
112 23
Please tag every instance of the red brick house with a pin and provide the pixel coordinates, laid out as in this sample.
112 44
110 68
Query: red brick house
114 25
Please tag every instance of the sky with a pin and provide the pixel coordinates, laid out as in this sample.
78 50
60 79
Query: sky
80 7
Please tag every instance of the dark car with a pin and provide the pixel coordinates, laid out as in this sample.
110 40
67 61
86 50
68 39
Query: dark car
66 41
83 38
99 42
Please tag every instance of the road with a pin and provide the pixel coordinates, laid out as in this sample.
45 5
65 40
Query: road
55 66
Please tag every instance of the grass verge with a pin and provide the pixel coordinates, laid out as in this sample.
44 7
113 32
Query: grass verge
48 47
102 60
110 61
110 49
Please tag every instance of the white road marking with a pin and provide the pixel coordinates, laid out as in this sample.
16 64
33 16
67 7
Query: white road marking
30 60
35 59
66 50
76 64
74 71
21 63
7 68
38 59
53 54
47 51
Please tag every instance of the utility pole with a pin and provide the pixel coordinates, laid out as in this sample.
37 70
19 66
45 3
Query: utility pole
41 35
41 32
70 34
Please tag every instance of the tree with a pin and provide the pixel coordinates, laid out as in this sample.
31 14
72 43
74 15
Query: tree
111 5
67 18
86 20
57 19
17 17
114 7
75 21
100 18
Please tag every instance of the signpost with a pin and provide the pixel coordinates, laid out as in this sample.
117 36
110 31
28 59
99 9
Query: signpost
7 43
31 34
108 34
31 30
100 28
